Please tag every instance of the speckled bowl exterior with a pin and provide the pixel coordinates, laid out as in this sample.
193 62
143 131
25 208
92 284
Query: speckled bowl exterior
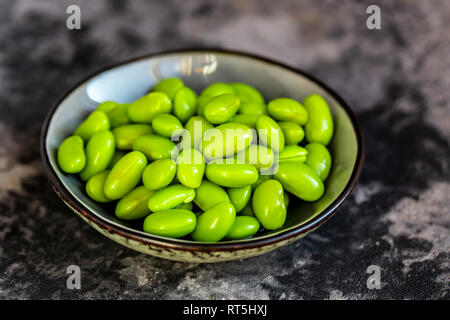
197 68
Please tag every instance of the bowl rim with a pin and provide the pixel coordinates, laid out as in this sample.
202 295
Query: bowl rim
169 243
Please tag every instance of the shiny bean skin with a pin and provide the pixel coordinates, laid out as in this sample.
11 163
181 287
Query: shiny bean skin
125 175
300 180
191 168
268 204
247 119
166 124
119 115
201 104
94 187
292 131
214 223
169 86
184 104
293 153
146 108
97 121
107 106
253 108
71 156
126 135
134 205
319 159
320 126
287 109
196 127
99 153
217 89
173 223
258 155
246 92
240 197
155 147
231 175
270 133
220 109
170 197
209 195
243 227
159 174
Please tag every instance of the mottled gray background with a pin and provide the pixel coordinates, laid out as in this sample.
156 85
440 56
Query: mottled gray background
396 79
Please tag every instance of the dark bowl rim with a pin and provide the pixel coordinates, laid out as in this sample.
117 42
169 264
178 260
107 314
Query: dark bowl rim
168 243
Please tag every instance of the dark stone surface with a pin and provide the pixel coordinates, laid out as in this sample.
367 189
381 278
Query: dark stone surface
395 79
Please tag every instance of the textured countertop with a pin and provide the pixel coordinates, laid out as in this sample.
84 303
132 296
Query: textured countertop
395 79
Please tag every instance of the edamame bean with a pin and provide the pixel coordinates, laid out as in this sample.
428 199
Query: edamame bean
125 175
300 180
270 133
159 174
118 154
292 131
99 153
226 140
253 108
293 153
258 155
217 89
97 121
169 86
246 92
134 205
71 156
107 106
174 223
268 204
170 197
243 227
220 109
214 223
247 119
240 197
319 159
196 127
94 187
231 175
155 147
201 104
320 124
287 109
184 104
127 134
191 167
166 125
119 115
209 194
145 109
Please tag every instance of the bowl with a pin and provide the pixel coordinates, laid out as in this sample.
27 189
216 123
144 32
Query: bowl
131 79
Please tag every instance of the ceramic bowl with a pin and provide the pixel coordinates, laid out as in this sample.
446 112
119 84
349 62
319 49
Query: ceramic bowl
129 80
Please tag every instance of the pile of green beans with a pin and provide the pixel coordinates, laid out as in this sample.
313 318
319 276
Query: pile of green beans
219 165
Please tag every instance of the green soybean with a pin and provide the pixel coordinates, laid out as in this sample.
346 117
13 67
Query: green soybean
146 108
231 175
94 187
243 227
214 223
246 92
220 109
155 147
169 86
119 115
174 223
159 174
240 197
126 135
292 131
268 204
134 205
217 89
320 124
118 154
99 153
300 180
201 104
71 156
170 197
97 121
247 119
258 155
287 109
319 159
166 125
293 153
191 167
107 106
270 133
184 104
125 175
209 195
195 127
253 108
